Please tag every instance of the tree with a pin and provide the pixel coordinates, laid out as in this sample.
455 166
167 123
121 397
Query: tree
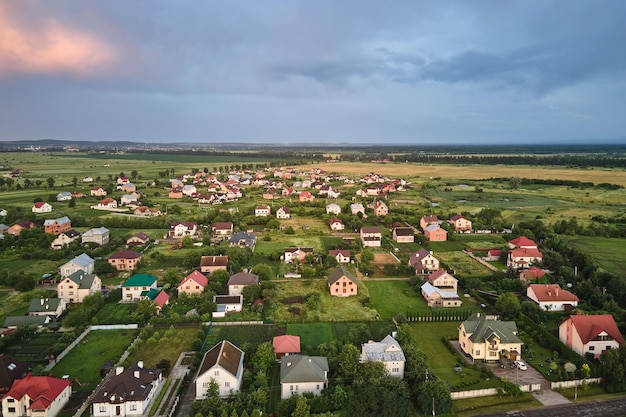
612 370
264 356
508 306
146 309
303 409
50 182
433 397
349 361
134 174
367 256
264 271
251 293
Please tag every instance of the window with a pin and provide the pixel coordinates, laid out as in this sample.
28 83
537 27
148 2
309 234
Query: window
395 370
227 384
103 408
216 373
205 385
133 407
291 387
608 347
592 348
477 352
11 400
492 353
11 409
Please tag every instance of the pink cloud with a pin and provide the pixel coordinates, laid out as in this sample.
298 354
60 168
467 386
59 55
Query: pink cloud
51 48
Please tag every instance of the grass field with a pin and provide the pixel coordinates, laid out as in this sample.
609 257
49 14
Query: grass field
168 346
86 359
609 253
311 334
392 297
463 264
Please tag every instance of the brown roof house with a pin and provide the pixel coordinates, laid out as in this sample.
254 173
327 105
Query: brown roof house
238 282
223 363
461 224
424 262
403 235
138 239
125 260
127 393
10 370
371 236
342 283
209 264
342 255
222 228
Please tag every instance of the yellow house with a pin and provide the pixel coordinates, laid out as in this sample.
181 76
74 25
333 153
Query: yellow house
487 338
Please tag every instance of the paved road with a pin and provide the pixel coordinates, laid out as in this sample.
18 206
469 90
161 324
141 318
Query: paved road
615 407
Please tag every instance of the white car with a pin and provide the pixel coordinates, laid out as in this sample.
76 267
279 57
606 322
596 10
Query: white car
521 365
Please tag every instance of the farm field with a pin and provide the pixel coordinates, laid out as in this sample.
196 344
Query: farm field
608 252
164 344
463 264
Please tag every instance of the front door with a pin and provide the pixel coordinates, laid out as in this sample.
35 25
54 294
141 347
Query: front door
118 409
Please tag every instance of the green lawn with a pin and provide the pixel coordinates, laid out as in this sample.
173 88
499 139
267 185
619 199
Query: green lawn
609 253
83 363
168 346
463 264
493 404
311 334
392 297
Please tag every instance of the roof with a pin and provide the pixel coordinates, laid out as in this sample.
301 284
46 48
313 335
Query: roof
387 350
339 272
522 241
10 370
439 273
71 233
284 209
228 299
125 254
82 279
551 292
430 289
432 227
370 229
221 260
225 355
140 280
161 299
19 321
42 390
243 278
142 236
83 260
431 218
96 231
481 328
40 204
526 252
343 252
303 368
417 257
456 217
133 384
197 277
249 238
590 326
403 231
286 344
60 220
43 305
222 225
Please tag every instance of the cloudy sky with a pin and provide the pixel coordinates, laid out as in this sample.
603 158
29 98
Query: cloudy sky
316 71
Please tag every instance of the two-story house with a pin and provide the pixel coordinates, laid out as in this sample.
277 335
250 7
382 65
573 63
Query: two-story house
591 334
57 226
223 364
137 286
125 260
371 236
487 338
81 262
97 235
75 287
424 262
389 352
193 284
341 283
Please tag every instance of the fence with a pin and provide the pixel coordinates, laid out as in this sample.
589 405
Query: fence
236 323
574 383
491 391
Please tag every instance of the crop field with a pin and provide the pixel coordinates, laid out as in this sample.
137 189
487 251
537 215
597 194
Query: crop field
264 247
389 298
463 264
168 345
610 253
35 348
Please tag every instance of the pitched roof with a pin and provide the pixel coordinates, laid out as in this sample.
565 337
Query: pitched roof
96 231
303 368
161 299
482 328
522 241
60 220
243 278
10 370
403 231
197 277
343 252
551 292
19 321
339 272
141 236
82 279
140 280
416 258
42 390
431 218
430 289
133 384
43 305
370 229
125 254
222 225
224 354
590 326
432 227
286 344
456 217
437 274
83 260
387 350
221 260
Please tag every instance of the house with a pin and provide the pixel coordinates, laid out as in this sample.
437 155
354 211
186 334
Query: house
14 322
403 235
222 228
333 208
75 287
243 239
522 242
159 297
129 187
439 297
3 212
428 220
487 338
296 254
144 211
342 255
209 264
127 393
387 351
442 280
87 179
434 233
424 262
125 260
227 304
493 255
371 236
283 212
10 370
36 396
380 208
305 196
41 207
17 228
301 374
238 282
178 230
286 345
175 192
531 274
342 283
78 194
189 190
193 284
550 297
57 226
461 224
53 307
81 262
138 286
128 199
98 235
523 257
356 208
107 203
262 210
122 180
336 224
591 334
64 239
138 239
64 196
98 192
223 363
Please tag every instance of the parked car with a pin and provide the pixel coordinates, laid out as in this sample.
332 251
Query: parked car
521 365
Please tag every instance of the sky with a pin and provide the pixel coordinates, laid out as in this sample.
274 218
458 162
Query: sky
318 71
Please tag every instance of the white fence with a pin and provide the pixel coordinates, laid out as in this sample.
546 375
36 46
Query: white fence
574 383
473 393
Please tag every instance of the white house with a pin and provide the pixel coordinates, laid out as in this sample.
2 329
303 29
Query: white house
551 297
127 393
41 207
283 212
387 351
227 304
74 288
36 396
138 286
302 373
237 282
333 208
99 235
590 334
222 364
82 261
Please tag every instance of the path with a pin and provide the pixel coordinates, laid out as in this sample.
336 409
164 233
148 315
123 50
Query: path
177 375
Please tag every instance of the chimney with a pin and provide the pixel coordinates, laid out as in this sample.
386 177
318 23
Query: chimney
136 374
119 370
288 364
41 301
556 291
140 364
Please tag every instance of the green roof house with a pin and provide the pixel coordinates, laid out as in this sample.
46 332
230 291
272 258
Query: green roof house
133 288
487 338
303 373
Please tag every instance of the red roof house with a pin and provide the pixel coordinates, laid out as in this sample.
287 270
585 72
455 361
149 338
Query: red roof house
286 345
193 283
590 334
37 395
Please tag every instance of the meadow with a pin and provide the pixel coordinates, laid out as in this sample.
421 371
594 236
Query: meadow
609 253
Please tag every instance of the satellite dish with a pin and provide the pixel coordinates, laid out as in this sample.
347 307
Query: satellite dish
569 285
